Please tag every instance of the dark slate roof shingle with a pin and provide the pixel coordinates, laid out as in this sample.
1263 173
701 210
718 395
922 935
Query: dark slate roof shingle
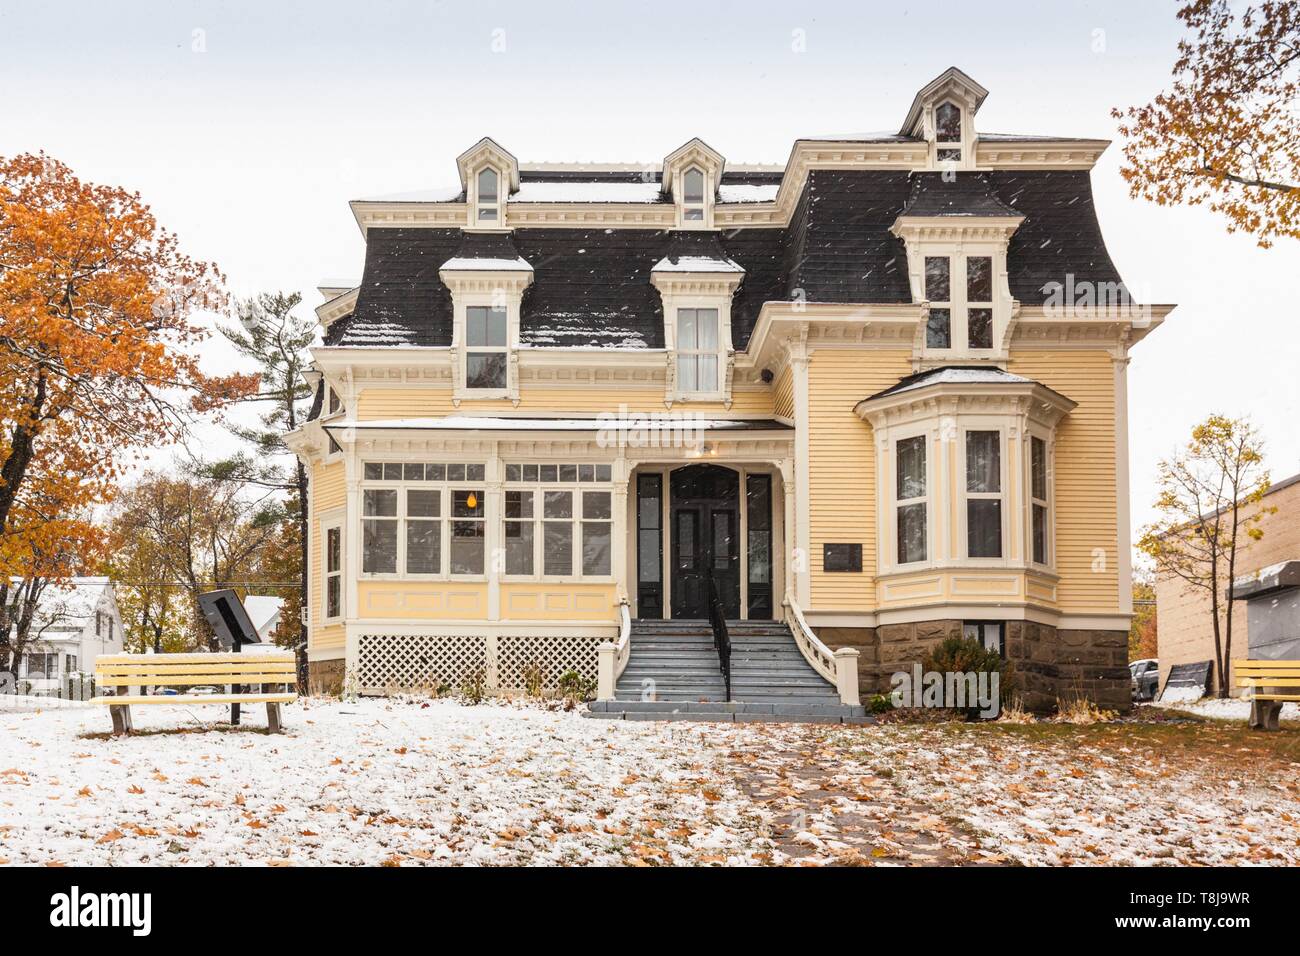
958 194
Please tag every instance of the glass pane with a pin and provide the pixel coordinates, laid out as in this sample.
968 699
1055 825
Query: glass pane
694 215
513 472
972 631
979 279
1038 467
949 155
936 279
379 547
911 468
475 472
467 504
603 473
686 332
519 547
382 504
984 527
374 471
938 329
648 555
557 547
423 547
596 547
546 473
706 328
686 378
530 472
487 185
413 472
557 504
392 471
708 374
334 596
721 540
686 540
649 508
488 214
455 472
947 123
519 504
760 556
467 547
758 501
476 325
596 505
568 473
586 472
911 533
333 549
435 472
1040 534
980 324
423 504
693 185
485 370
983 462
496 328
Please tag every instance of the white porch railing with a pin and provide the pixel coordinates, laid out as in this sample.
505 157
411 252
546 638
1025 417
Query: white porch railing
840 667
613 657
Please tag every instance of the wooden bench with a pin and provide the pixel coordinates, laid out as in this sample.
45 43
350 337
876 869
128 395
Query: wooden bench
258 672
1271 683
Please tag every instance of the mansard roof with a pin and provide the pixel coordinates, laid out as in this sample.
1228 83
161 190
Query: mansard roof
592 287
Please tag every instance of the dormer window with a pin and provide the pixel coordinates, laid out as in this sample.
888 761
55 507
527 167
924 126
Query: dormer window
961 311
487 347
948 133
487 186
698 351
693 195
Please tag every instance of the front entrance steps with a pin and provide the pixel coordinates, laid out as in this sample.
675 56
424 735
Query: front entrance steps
672 673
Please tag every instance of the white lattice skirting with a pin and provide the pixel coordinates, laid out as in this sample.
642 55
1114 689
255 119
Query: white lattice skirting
395 662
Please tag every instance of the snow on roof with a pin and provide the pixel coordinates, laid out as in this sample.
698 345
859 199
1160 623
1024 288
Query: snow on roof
436 194
67 608
746 192
577 191
262 610
465 264
696 264
965 376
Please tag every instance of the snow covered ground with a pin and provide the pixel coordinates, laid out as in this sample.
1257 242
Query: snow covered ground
413 783
1234 708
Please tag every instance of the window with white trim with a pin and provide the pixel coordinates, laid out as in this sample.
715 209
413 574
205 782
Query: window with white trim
693 194
979 302
962 309
947 133
423 519
333 563
1040 515
698 351
912 526
335 404
487 348
984 494
557 521
938 291
487 195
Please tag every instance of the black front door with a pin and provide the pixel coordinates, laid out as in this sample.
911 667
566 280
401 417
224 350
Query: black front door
704 536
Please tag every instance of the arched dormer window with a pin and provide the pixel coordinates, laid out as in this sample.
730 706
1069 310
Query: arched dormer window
948 138
487 195
693 195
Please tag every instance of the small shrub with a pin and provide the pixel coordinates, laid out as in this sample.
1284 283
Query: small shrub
473 688
880 704
534 679
573 686
965 655
351 688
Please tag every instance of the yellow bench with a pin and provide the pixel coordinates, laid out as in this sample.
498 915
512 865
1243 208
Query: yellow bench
258 672
1271 684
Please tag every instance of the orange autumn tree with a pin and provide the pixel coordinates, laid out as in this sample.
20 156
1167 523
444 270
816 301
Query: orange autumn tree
1226 133
98 363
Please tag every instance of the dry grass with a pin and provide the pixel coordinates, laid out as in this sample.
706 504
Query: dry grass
1082 711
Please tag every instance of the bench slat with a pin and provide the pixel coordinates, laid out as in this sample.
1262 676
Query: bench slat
1253 664
146 671
1269 681
190 680
195 658
1276 697
198 699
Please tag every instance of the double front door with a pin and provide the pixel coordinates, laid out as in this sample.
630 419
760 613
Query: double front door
704 539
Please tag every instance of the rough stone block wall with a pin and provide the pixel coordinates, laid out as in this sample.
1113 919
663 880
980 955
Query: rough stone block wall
325 677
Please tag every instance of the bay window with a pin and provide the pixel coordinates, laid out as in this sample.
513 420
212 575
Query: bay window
333 573
558 521
911 496
419 519
983 494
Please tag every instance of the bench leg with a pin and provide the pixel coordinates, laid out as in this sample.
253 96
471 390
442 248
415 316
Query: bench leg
121 715
273 725
1265 714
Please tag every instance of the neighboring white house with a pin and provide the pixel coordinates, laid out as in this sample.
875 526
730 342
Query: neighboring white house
264 612
73 626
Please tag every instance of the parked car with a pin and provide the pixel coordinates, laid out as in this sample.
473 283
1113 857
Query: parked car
1145 676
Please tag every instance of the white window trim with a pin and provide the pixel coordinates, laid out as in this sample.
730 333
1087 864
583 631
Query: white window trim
705 205
957 254
445 490
538 520
493 290
685 293
477 207
977 423
922 430
1049 532
965 143
333 522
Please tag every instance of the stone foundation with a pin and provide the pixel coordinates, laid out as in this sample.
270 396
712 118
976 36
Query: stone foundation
325 677
1050 664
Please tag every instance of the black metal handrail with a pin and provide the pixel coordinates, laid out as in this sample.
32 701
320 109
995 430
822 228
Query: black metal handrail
718 621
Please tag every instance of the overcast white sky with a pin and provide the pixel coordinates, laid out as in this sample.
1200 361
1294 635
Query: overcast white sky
248 126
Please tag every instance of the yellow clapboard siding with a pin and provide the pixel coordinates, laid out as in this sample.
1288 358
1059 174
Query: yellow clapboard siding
433 401
328 493
1085 480
842 469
